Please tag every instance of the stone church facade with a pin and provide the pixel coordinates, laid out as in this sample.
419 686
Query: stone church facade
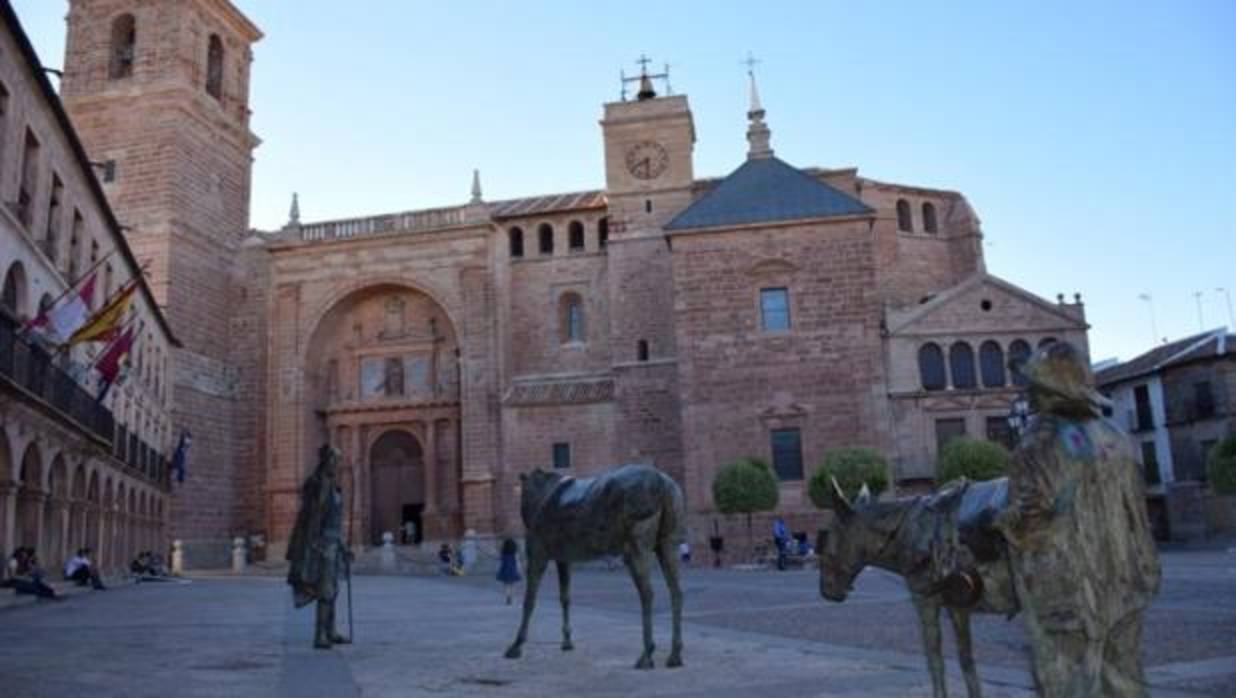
678 320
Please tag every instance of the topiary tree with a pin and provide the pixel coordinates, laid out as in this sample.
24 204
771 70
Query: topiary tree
853 467
745 487
972 459
1221 466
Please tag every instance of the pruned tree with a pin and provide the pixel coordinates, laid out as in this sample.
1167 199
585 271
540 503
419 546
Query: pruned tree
745 486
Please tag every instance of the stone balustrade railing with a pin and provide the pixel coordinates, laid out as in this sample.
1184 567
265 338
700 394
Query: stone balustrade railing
407 222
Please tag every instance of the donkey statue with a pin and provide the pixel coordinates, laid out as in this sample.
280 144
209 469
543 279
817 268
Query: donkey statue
632 510
945 546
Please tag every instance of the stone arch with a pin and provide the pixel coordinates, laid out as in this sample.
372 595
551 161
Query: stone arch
572 322
30 498
905 219
421 339
214 67
398 486
575 236
55 513
107 524
123 47
343 292
13 298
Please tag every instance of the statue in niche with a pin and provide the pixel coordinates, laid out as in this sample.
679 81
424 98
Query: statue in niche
395 321
394 376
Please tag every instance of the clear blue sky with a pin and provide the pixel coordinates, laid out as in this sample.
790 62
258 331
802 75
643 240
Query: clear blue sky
1097 141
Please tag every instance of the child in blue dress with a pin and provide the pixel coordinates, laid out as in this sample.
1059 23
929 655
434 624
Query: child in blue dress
508 570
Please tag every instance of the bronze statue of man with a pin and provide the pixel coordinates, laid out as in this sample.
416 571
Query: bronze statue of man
1084 563
316 551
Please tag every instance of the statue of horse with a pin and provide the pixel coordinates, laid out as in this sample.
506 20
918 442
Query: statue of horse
944 545
633 510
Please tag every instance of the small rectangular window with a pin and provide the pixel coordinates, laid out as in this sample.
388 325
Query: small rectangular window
787 452
562 455
1145 416
1203 400
1150 463
947 430
775 309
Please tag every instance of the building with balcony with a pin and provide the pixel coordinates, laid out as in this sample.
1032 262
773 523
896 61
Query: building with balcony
75 471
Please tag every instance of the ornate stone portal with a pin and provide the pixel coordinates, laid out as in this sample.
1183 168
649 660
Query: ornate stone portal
382 378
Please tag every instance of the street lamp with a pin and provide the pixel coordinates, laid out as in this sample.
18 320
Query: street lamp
1231 323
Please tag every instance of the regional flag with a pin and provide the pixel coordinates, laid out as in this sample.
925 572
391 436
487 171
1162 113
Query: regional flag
112 361
106 322
59 322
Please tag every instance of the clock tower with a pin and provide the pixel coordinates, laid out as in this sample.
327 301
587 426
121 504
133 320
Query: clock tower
648 179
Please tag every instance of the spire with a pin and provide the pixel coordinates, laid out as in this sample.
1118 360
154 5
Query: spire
476 186
758 135
294 214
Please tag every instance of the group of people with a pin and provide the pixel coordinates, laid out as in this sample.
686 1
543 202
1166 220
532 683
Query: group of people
148 567
27 576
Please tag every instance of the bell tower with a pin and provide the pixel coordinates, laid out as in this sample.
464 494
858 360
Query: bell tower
649 174
159 94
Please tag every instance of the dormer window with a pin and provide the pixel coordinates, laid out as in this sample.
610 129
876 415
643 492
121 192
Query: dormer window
124 43
214 68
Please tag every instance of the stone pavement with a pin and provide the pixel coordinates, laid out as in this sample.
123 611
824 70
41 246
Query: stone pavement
420 636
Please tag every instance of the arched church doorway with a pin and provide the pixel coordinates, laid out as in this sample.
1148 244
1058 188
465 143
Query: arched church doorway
397 482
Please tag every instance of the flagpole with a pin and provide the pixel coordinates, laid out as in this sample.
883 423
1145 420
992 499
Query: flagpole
72 286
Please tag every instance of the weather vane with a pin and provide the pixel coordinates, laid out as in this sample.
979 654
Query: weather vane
645 80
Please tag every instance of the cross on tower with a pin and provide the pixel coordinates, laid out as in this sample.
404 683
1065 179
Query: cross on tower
751 62
645 80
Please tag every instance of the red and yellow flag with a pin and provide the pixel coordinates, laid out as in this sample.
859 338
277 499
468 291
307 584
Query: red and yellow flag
106 323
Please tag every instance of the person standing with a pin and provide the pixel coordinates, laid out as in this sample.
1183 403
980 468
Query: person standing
508 569
316 551
1083 561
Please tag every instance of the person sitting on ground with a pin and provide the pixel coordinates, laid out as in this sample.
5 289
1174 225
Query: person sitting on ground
140 565
78 569
444 558
28 578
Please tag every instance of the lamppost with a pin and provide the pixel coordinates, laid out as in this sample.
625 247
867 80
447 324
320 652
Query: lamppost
1201 324
1154 328
1231 323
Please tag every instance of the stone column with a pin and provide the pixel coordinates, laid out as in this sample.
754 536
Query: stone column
64 545
8 518
76 532
429 456
30 504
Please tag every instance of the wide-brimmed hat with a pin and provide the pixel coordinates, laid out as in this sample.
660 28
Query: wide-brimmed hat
1061 369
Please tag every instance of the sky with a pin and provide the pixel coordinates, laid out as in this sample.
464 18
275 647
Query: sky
1096 140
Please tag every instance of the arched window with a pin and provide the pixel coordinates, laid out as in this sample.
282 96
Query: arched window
516 237
641 350
929 217
575 236
991 364
961 365
545 233
905 221
214 67
931 367
14 297
124 42
1019 351
1047 341
571 318
603 232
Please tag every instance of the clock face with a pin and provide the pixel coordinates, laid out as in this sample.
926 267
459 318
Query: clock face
647 160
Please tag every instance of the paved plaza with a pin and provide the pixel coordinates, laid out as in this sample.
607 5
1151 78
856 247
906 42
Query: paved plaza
747 634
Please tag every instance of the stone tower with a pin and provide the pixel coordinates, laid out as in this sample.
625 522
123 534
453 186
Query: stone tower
159 93
648 174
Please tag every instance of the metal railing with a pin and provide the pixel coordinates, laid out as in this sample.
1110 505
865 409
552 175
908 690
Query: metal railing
31 367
